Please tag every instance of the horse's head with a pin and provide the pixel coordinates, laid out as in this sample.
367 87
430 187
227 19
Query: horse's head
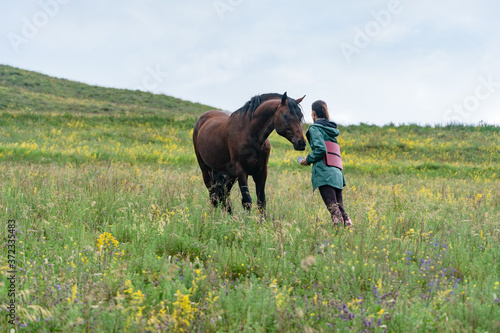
288 121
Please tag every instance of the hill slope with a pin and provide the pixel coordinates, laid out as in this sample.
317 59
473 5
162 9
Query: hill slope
22 89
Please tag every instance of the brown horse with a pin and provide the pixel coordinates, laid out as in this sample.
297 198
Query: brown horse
231 147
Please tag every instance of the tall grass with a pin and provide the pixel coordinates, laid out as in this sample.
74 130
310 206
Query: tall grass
423 255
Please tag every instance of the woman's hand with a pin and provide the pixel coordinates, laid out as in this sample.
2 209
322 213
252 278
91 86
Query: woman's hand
304 162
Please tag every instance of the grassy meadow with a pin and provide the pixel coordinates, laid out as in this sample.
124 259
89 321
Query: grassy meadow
115 232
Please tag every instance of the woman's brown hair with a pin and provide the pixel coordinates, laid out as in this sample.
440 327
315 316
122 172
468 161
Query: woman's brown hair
321 110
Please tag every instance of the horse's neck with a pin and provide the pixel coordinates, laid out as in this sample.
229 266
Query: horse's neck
262 122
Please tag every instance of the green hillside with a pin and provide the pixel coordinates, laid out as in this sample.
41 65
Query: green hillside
27 90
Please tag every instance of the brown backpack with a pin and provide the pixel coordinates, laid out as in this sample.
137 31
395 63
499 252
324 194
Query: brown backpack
332 156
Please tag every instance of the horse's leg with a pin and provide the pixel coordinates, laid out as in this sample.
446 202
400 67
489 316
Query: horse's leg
210 184
208 177
219 188
246 199
226 198
260 185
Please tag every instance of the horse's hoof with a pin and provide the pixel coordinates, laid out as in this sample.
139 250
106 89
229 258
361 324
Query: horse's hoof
335 221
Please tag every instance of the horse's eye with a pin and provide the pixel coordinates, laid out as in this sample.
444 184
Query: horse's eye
286 117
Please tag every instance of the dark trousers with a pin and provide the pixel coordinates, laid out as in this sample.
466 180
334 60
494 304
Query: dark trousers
334 203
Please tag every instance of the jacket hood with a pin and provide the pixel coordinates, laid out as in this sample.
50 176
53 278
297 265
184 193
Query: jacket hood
329 128
325 122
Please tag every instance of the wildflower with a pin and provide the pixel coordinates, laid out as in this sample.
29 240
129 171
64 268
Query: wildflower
282 296
137 297
105 241
183 312
74 291
368 322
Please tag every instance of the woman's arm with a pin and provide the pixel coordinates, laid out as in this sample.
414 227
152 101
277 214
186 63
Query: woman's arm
317 143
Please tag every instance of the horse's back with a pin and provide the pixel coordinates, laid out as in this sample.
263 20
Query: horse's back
210 138
210 118
216 115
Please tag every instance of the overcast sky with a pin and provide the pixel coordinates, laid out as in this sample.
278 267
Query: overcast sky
372 61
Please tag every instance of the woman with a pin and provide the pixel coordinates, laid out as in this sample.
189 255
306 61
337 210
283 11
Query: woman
328 179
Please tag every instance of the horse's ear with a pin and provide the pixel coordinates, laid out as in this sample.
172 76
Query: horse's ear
300 99
284 99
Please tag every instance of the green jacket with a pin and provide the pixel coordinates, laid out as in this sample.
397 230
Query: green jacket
319 132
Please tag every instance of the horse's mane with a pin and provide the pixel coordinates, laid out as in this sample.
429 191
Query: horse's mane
250 106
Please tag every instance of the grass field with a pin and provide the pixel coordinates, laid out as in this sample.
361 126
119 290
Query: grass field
115 233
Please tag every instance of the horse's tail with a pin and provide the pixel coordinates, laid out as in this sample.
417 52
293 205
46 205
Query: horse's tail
197 126
199 123
195 132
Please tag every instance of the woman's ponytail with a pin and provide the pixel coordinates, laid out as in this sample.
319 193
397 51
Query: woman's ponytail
321 110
